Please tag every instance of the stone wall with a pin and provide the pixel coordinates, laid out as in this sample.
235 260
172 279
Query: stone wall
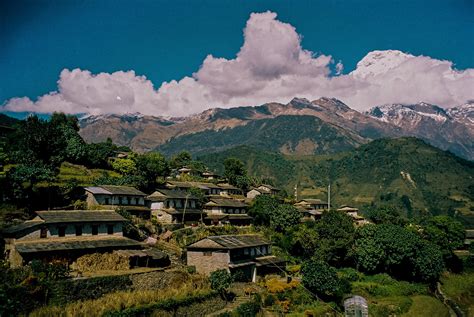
208 261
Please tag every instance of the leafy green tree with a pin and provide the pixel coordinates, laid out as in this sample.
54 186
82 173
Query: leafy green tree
263 206
99 153
152 165
322 280
181 159
336 232
428 262
305 241
221 281
385 214
124 166
445 232
368 253
234 171
284 217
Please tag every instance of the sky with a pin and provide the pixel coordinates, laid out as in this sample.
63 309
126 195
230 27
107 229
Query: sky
182 57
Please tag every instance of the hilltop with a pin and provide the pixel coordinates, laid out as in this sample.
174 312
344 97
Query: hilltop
300 127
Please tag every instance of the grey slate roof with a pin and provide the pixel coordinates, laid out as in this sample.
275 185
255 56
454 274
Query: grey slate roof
222 202
66 216
169 193
232 241
81 243
21 227
115 190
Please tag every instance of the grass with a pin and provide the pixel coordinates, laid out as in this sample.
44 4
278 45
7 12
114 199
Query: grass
82 174
460 288
196 286
428 306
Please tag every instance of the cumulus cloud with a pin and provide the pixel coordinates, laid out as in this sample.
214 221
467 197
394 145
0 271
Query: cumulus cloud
270 66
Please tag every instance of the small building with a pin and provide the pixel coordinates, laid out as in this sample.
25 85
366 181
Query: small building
469 239
206 188
209 175
351 211
113 197
311 209
226 211
66 234
228 189
263 190
175 206
250 255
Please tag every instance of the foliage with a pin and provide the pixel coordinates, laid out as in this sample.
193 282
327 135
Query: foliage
220 281
275 285
235 172
181 159
284 217
445 232
151 165
322 279
398 251
385 214
305 241
249 309
263 206
124 166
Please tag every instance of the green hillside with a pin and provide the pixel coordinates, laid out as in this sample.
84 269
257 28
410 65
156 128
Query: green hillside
286 134
405 172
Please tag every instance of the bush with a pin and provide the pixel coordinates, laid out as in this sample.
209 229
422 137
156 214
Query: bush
248 309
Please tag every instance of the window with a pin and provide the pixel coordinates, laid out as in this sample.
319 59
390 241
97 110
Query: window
62 231
95 230
110 229
106 201
43 232
121 200
79 230
207 253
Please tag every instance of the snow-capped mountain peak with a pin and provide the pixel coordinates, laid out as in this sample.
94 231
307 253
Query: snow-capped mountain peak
379 62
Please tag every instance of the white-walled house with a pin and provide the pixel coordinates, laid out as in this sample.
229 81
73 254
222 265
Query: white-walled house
171 206
126 197
66 234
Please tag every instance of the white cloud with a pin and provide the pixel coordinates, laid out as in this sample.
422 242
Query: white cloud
270 66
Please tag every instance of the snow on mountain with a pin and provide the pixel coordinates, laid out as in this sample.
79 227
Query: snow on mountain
463 113
379 62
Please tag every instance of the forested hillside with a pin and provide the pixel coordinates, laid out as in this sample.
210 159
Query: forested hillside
405 172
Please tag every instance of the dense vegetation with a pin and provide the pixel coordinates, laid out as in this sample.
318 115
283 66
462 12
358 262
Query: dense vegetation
283 133
405 173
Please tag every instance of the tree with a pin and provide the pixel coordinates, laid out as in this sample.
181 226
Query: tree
322 279
428 262
385 214
220 281
124 166
305 241
336 232
181 159
284 217
234 170
262 208
445 232
151 165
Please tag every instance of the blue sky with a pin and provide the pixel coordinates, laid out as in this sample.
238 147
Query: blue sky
166 40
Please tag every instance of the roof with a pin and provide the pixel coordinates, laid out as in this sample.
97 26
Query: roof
13 230
115 190
229 216
313 201
62 216
227 186
470 234
200 185
153 253
270 260
173 211
76 243
269 187
168 193
223 202
348 208
229 242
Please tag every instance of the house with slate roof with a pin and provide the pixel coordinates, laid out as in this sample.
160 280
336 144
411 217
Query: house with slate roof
226 211
311 209
113 197
250 255
263 190
207 188
65 234
174 206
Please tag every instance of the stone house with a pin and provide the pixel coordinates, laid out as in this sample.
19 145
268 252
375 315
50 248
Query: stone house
354 213
311 209
226 211
66 234
263 190
207 188
174 206
228 189
250 255
113 197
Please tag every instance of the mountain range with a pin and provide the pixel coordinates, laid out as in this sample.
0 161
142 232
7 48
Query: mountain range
322 126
